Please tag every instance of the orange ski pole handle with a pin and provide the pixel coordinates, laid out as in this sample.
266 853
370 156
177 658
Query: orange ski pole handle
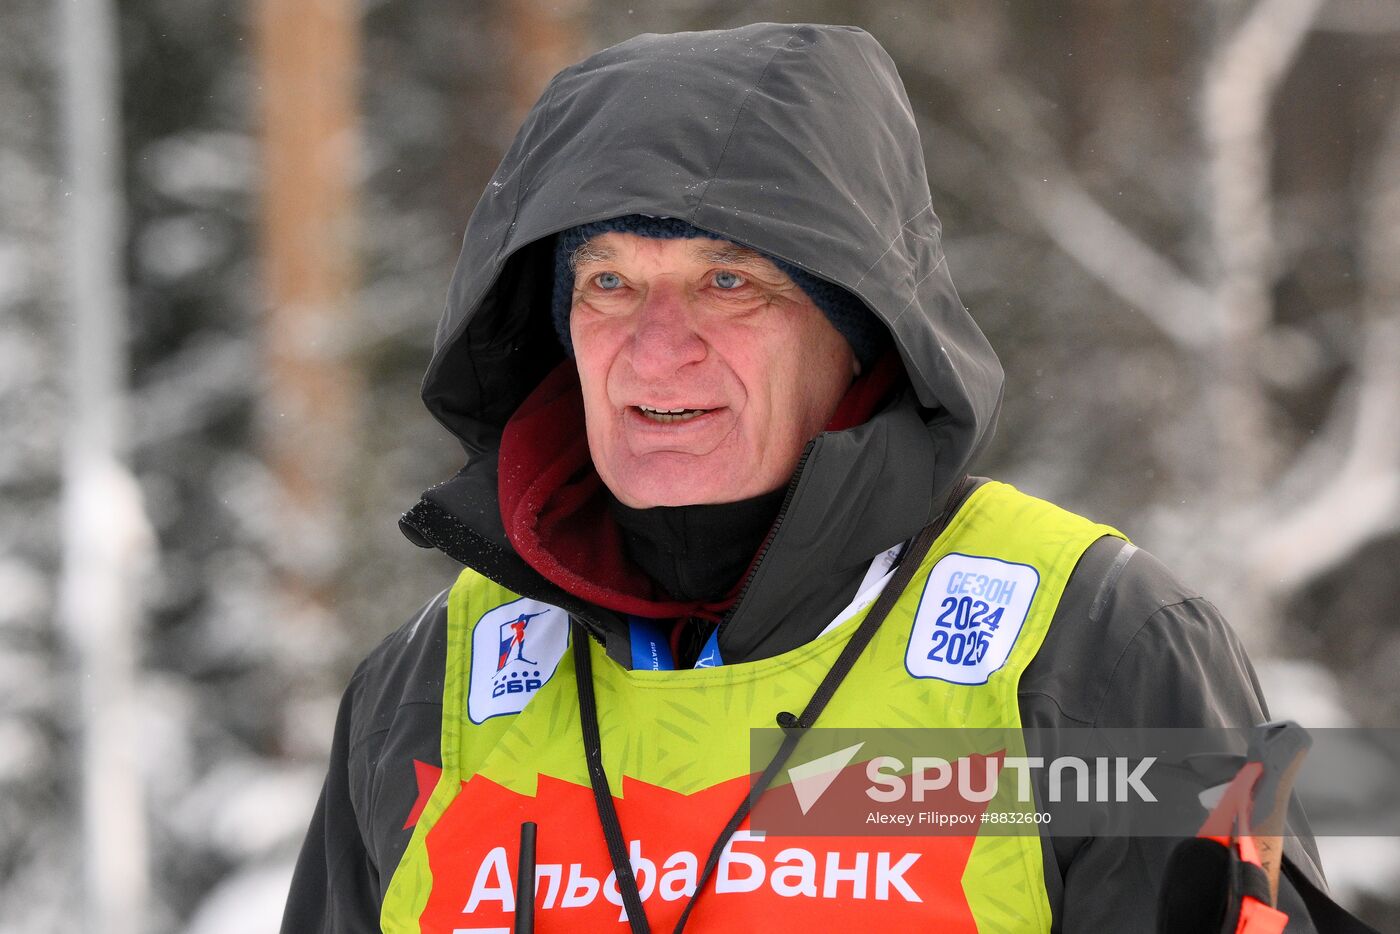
1225 881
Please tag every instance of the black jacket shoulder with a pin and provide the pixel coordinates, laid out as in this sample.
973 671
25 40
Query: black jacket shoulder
1130 645
384 753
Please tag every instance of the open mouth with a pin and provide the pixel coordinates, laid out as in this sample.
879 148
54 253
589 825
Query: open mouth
670 416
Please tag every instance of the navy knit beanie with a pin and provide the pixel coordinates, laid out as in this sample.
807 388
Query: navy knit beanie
846 313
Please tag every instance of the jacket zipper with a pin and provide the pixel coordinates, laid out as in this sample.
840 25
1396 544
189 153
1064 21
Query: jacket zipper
768 539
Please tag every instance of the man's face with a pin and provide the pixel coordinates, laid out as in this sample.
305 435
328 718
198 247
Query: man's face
705 369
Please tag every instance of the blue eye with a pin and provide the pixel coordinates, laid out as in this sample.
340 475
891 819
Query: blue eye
608 281
727 280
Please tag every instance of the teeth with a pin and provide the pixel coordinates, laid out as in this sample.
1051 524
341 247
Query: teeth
667 416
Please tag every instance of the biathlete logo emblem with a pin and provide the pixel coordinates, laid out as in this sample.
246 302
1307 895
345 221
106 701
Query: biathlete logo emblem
516 648
513 637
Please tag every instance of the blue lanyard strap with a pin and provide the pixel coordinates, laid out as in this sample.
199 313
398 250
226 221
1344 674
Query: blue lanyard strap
651 646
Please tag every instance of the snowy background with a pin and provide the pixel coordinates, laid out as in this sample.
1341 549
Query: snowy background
226 231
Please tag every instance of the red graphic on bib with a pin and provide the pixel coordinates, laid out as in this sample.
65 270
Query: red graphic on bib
777 883
426 776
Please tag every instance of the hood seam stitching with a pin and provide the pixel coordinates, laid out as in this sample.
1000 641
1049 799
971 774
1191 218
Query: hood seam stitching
942 261
738 115
925 208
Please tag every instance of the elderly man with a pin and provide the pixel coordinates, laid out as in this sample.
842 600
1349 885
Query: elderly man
719 400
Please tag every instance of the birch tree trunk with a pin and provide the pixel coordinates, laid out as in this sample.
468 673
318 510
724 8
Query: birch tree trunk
107 540
1241 81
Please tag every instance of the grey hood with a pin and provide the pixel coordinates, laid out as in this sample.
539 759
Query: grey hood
796 140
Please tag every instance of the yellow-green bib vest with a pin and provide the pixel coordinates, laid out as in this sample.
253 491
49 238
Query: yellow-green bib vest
676 751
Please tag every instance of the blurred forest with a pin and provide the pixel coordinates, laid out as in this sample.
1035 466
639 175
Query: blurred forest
1178 222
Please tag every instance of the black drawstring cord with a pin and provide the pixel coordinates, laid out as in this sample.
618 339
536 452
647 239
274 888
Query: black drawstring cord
793 727
598 778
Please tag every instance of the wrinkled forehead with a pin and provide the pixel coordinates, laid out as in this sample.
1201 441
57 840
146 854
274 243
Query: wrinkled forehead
613 246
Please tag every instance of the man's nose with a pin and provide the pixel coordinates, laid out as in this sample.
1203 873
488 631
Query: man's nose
665 338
